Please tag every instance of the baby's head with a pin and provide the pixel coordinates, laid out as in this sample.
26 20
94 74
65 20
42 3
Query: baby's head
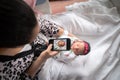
80 47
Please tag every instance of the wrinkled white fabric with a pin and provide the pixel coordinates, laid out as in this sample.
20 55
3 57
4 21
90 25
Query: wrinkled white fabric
100 26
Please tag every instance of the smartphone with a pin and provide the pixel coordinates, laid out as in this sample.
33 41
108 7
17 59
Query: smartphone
60 44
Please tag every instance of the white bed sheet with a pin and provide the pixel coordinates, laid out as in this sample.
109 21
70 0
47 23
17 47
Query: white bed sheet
100 26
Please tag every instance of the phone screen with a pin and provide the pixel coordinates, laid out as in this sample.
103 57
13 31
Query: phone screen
61 44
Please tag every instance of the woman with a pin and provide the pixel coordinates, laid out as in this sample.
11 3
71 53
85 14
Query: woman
19 28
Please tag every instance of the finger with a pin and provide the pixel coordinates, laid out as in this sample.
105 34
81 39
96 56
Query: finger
49 47
53 53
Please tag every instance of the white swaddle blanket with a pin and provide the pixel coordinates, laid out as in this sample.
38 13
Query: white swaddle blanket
98 24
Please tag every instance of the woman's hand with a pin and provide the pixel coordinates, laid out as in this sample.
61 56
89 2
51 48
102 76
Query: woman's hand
48 53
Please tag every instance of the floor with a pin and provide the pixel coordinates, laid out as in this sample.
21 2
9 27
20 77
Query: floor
59 5
54 6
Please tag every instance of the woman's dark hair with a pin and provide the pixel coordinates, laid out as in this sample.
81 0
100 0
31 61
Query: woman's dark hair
17 21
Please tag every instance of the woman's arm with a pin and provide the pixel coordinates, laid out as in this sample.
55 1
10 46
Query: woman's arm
40 61
51 29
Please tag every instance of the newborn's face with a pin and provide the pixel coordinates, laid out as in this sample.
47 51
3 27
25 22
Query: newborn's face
61 43
78 47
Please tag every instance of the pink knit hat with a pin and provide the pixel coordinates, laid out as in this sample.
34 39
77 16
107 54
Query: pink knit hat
86 48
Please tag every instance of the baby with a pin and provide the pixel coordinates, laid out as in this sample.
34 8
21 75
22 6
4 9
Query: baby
78 47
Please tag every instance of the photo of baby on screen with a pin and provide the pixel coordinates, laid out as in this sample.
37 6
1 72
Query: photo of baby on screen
60 44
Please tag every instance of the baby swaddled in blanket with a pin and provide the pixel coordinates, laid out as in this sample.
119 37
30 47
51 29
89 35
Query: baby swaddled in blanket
78 47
